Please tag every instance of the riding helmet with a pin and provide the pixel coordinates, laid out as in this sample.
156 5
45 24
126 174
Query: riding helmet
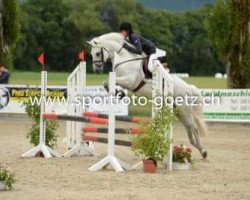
126 26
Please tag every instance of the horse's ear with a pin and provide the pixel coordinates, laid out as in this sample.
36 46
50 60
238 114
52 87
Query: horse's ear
89 42
93 43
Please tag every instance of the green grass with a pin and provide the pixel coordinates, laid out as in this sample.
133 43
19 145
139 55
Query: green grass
206 82
59 78
54 78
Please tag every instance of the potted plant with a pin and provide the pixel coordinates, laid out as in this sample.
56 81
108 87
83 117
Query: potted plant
182 157
7 178
152 142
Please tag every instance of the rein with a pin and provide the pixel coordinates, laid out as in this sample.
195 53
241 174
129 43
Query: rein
142 83
102 56
128 61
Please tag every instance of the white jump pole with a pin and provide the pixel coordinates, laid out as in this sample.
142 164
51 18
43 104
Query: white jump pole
110 159
163 85
76 85
42 147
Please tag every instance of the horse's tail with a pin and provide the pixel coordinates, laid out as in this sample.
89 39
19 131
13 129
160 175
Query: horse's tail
198 114
198 117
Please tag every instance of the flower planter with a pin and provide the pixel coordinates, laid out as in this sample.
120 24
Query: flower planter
181 166
3 186
149 166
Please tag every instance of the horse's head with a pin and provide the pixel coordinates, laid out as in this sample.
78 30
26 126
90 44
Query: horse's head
99 54
103 48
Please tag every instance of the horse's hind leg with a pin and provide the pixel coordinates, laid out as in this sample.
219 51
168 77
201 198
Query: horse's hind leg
195 141
198 142
186 117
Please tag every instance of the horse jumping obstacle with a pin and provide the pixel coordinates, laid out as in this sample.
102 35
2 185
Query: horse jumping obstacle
76 85
42 147
162 86
92 120
105 140
117 118
110 159
89 129
133 131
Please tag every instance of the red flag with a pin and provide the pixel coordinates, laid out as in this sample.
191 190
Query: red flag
40 58
81 56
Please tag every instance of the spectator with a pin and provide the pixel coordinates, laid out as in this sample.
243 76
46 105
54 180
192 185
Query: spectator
4 75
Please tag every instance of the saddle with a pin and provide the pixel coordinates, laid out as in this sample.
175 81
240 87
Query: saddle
148 74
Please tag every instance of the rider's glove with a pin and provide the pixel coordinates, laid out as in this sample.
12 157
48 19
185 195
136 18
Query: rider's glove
124 45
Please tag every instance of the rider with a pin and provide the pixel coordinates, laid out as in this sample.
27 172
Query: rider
141 44
4 75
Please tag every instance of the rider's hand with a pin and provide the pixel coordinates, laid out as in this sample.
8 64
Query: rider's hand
124 45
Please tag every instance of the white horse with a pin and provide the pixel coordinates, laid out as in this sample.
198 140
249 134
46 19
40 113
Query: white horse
130 75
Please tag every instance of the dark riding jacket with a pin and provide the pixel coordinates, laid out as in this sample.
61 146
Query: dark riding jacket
141 45
4 77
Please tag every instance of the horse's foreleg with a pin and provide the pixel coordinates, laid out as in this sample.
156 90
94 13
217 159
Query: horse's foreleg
118 91
126 82
106 85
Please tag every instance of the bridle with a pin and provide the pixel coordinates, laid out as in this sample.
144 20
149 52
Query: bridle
102 56
141 84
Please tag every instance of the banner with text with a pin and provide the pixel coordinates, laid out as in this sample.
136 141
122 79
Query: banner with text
231 105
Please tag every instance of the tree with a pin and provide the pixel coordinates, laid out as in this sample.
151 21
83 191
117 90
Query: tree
9 30
159 22
62 27
45 27
93 18
229 32
191 51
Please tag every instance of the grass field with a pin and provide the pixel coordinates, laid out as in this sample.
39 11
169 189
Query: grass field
55 78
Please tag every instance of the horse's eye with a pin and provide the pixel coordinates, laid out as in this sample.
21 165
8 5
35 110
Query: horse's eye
98 53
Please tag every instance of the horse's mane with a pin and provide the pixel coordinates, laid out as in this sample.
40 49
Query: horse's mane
111 37
114 40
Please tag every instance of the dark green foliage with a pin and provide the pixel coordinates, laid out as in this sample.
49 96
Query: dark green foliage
191 50
11 22
45 28
218 25
11 29
152 142
227 25
61 29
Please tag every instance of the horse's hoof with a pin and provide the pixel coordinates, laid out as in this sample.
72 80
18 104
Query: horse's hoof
121 94
106 87
204 154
